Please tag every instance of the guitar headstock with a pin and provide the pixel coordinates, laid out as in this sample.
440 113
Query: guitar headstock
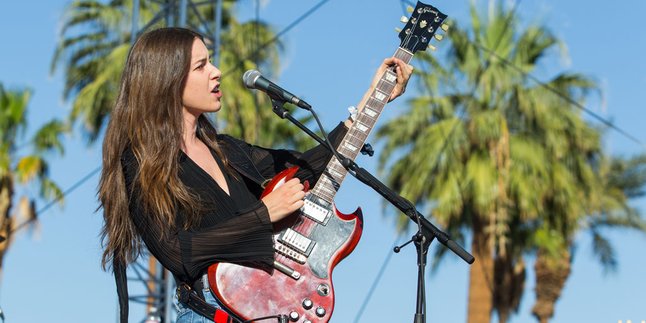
421 27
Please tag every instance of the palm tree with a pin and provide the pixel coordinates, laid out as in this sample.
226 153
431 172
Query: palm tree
494 152
620 180
23 170
94 42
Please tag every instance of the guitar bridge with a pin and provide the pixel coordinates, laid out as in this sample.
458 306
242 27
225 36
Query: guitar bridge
289 253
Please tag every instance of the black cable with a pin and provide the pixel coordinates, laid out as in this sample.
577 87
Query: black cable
382 269
279 34
561 95
52 202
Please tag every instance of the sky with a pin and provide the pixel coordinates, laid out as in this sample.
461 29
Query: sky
53 274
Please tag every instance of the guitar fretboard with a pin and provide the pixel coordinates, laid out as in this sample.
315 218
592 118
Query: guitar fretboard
330 181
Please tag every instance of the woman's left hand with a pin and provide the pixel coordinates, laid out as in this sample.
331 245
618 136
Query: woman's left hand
403 70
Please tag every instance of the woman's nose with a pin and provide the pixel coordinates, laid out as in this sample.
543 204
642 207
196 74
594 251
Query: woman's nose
215 72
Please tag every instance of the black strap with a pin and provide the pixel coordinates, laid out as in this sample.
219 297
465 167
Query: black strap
119 269
189 297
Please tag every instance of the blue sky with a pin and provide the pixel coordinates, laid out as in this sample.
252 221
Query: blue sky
54 274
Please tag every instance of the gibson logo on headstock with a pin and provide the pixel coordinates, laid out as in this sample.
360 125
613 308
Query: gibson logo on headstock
427 10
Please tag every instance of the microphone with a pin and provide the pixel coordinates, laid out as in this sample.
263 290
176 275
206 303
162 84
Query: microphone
254 80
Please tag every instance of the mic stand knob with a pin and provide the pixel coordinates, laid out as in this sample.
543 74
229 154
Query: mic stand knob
397 249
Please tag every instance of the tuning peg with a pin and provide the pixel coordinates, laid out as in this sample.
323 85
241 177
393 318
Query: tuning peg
438 37
445 27
433 48
410 9
403 19
398 30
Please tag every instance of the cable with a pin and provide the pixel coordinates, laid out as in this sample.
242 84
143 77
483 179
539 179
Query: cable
561 95
382 269
279 34
54 201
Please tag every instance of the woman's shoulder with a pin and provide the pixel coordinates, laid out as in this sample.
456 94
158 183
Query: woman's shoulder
229 142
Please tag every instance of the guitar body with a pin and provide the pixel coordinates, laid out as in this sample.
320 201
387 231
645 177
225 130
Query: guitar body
252 293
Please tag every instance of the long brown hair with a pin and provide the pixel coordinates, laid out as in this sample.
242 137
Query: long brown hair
147 118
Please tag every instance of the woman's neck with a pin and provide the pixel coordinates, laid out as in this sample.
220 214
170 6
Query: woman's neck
189 137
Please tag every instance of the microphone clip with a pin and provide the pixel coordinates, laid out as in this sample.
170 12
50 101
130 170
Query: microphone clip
278 107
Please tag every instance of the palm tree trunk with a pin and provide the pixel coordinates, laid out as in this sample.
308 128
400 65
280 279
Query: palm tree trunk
6 194
480 276
551 275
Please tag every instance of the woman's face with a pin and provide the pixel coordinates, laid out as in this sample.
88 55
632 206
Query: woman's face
202 90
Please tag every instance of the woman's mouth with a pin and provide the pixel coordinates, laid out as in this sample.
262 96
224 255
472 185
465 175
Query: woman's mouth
216 90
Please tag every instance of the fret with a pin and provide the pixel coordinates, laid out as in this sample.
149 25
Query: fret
390 77
335 185
323 194
350 146
337 175
362 127
380 96
356 136
376 104
355 145
337 169
366 120
369 111
386 87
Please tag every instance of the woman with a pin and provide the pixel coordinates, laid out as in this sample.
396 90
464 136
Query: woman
169 180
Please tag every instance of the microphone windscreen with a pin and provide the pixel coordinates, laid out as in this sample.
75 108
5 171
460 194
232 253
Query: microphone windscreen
249 78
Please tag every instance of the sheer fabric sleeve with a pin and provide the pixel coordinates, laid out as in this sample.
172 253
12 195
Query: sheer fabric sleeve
311 163
246 238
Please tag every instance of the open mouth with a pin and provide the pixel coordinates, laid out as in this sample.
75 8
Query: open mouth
216 89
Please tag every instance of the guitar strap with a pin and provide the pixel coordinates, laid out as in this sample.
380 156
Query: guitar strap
189 297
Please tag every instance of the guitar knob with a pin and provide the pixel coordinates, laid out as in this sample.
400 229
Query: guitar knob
320 312
293 316
307 303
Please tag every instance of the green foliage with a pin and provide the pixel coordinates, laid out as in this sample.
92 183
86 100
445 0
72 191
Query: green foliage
25 169
94 42
485 141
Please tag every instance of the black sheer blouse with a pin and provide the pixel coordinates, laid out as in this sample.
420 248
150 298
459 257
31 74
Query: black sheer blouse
234 228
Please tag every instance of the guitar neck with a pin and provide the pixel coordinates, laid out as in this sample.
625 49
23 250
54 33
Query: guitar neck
330 181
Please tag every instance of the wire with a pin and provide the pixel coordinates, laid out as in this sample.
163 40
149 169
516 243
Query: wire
382 269
54 201
279 34
561 95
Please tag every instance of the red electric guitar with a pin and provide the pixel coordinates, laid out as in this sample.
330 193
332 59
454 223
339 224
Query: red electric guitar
311 242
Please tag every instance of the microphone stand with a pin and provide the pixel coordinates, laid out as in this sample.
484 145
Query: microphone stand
426 233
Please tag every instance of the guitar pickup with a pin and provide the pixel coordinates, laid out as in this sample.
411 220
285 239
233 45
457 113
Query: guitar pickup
316 210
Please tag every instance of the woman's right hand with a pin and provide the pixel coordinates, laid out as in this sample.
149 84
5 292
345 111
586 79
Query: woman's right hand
285 199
